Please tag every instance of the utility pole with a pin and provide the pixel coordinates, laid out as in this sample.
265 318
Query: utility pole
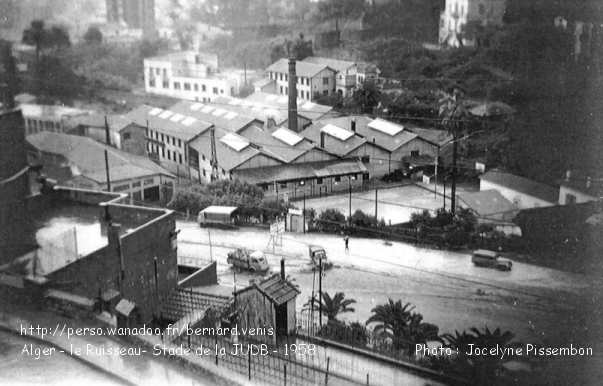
320 289
376 189
453 189
435 182
108 141
214 157
350 198
304 213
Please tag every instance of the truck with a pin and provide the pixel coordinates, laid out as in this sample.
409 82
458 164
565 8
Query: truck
318 256
490 259
243 258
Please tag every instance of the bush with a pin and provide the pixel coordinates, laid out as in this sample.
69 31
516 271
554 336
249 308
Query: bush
331 221
353 334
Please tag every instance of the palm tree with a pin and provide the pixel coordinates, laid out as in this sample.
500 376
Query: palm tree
392 320
331 306
481 367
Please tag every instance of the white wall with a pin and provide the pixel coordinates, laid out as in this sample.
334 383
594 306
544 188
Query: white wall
580 196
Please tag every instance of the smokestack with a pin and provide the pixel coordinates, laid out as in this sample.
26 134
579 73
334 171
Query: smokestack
322 140
283 269
292 96
353 125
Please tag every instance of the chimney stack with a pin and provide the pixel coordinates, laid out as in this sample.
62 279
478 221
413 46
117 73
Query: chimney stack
353 125
292 96
283 269
322 139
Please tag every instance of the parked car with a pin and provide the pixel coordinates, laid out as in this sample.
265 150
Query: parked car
490 259
243 258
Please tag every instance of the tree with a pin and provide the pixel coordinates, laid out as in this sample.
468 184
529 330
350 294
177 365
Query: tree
339 9
331 221
93 35
391 320
332 306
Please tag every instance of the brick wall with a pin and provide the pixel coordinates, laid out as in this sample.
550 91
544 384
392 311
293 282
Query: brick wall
149 246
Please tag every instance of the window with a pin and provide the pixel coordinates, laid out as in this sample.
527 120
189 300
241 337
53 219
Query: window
169 154
176 85
126 136
196 87
163 152
281 89
570 199
319 181
280 76
414 153
223 172
187 86
366 159
325 92
179 143
157 71
166 84
119 188
325 80
180 158
203 88
308 81
215 90
152 82
221 91
162 139
204 174
203 157
286 77
283 185
337 179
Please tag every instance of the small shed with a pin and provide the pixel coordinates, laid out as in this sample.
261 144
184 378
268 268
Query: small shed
268 303
295 220
215 215
127 314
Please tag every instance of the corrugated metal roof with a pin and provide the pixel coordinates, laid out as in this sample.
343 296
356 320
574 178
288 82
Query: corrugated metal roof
277 290
88 157
301 68
160 120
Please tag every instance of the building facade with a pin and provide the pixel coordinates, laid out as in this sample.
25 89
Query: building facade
313 80
189 75
56 119
460 16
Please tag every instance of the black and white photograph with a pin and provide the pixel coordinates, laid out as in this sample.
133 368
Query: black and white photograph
301 192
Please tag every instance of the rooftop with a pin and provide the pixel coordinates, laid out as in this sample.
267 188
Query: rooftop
339 129
185 127
302 68
489 203
30 110
434 136
226 148
336 64
276 289
116 122
86 158
522 185
592 187
307 109
219 116
282 143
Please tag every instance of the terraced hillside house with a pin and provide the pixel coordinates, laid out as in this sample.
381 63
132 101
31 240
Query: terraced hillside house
313 80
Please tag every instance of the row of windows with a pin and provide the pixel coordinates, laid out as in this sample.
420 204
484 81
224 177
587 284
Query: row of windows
171 154
163 138
319 181
42 125
157 71
300 93
187 87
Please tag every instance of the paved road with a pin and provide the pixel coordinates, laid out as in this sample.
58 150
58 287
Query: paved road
536 303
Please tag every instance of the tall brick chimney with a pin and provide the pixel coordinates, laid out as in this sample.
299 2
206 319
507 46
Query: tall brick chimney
292 96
